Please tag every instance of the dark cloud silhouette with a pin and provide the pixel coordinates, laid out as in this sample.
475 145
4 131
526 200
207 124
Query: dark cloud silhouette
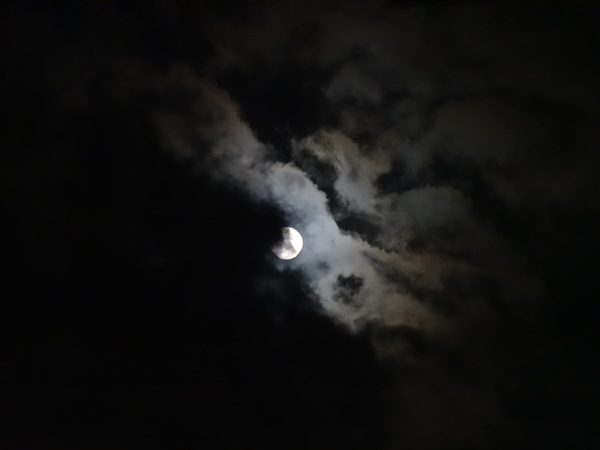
347 287
439 161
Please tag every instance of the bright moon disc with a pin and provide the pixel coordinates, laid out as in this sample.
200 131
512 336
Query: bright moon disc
290 244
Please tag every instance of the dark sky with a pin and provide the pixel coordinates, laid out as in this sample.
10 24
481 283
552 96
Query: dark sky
440 161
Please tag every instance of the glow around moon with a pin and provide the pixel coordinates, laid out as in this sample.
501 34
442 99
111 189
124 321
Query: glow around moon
290 245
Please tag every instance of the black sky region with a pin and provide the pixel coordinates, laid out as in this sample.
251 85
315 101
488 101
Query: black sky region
140 304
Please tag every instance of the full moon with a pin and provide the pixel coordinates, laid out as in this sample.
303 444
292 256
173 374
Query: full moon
290 244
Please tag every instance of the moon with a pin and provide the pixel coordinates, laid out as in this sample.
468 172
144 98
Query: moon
290 245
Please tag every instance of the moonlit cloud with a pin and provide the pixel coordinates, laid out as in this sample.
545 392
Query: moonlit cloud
441 163
430 228
414 200
329 252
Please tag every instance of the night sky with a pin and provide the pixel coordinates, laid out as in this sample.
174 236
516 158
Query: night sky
441 161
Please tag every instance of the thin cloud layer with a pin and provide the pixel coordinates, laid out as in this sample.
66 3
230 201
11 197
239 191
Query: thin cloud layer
426 193
440 164
329 253
428 231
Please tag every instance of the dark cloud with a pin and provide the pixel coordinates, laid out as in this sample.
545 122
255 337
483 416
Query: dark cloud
290 93
346 288
439 161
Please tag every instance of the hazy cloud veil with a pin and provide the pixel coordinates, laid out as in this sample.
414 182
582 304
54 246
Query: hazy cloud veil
440 161
410 118
417 194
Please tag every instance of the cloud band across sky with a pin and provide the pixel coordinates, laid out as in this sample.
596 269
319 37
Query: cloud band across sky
440 162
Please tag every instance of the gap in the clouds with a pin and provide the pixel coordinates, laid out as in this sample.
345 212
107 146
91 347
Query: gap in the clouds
279 102
447 168
324 175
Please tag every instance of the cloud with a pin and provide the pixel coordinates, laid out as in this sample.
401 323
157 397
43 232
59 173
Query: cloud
356 172
422 172
234 155
427 198
440 163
